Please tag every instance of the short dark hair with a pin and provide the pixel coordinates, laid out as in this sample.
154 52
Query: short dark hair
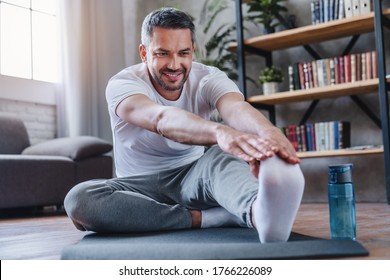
170 18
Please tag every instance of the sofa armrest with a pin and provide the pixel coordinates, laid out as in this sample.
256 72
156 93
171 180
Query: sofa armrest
76 148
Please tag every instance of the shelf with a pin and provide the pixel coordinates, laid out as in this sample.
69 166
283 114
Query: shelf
314 33
344 89
343 152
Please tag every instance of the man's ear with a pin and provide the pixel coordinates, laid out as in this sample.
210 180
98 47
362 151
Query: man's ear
143 52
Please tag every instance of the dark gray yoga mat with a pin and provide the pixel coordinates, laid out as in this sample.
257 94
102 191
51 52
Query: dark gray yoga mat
203 244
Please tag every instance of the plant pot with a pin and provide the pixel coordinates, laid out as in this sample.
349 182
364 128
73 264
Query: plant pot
270 87
268 30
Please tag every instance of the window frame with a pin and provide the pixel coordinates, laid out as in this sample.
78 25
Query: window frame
33 63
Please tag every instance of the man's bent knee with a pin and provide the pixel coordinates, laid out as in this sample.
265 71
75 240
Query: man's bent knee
76 201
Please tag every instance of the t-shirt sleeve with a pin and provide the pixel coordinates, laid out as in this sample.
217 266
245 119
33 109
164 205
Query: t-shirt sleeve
118 89
216 85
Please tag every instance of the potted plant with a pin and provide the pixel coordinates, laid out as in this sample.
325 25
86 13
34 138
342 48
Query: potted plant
266 12
270 77
214 42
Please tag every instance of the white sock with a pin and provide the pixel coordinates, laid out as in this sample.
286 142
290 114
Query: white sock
219 217
280 193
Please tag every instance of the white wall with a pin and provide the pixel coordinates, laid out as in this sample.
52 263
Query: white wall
33 102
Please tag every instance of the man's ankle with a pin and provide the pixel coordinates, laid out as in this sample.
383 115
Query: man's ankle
196 216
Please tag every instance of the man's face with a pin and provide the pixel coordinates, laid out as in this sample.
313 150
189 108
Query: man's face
169 60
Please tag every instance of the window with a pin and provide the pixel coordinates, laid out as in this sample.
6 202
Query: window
28 39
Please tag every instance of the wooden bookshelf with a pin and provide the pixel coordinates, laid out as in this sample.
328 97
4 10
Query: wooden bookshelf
342 152
264 46
344 89
314 33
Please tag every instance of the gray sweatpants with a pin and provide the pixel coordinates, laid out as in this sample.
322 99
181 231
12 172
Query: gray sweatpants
161 201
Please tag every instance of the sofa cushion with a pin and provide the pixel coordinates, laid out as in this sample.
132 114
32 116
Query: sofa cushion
76 148
13 136
27 181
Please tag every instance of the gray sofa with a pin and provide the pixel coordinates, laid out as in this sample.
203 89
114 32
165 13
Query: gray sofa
42 174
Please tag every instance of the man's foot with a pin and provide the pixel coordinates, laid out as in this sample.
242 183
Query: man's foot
280 192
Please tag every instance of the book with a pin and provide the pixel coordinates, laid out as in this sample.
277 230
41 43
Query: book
332 72
303 137
344 134
306 74
315 12
368 66
364 71
365 7
291 78
342 73
336 10
299 139
331 9
374 65
358 67
309 141
320 72
348 8
330 134
301 76
310 74
297 79
328 74
326 8
292 136
336 61
353 68
341 9
336 135
355 8
321 10
347 68
315 73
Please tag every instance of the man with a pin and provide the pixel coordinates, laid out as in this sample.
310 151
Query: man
160 111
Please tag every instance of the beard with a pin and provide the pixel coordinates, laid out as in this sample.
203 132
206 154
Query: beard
173 87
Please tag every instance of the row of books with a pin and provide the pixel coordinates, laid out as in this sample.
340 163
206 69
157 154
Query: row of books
332 71
328 10
321 136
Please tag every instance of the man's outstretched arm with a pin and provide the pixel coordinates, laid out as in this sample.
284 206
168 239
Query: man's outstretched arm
184 127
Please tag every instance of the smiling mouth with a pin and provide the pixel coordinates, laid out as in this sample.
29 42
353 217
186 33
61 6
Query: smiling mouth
173 76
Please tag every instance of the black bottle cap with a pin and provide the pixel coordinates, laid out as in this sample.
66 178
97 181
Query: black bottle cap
340 173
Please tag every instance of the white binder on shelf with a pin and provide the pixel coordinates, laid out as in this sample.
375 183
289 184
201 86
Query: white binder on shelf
341 9
348 8
365 7
356 8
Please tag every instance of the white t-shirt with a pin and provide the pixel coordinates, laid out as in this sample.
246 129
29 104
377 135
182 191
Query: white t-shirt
139 151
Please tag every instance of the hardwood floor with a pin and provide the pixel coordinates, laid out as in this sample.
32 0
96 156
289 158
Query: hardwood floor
44 235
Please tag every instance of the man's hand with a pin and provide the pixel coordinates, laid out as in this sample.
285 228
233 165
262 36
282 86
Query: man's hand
252 148
243 145
280 145
241 116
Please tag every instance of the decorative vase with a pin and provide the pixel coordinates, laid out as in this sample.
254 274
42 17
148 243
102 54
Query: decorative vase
270 87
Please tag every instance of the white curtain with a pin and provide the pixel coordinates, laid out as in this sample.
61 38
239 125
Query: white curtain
77 102
92 52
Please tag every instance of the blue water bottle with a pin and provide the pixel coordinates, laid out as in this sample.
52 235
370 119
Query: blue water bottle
341 197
